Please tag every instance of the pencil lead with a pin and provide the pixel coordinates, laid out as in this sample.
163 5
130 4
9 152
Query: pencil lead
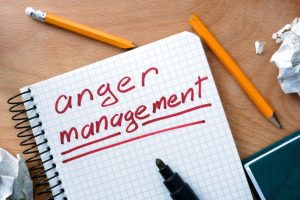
275 120
159 163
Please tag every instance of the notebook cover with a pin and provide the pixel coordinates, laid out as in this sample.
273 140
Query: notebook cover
278 173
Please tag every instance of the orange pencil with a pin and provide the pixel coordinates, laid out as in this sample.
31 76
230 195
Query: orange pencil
234 70
79 28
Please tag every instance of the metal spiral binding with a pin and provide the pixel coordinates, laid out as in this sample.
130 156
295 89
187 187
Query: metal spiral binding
37 171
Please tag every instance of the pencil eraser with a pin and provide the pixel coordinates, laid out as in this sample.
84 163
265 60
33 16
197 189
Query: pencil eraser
29 11
36 14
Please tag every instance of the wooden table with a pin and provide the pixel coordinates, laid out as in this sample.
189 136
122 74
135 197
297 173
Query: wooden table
32 51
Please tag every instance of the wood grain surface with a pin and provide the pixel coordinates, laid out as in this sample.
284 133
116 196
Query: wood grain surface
32 51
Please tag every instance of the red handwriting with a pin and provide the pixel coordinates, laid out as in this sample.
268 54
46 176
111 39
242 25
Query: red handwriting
111 99
131 117
66 106
81 95
146 72
123 82
102 125
199 83
176 114
109 96
130 140
90 143
173 100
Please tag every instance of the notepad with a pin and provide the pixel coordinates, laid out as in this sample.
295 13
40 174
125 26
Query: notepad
275 170
102 126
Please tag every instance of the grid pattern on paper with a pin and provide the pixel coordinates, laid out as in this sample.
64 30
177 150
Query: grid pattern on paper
205 155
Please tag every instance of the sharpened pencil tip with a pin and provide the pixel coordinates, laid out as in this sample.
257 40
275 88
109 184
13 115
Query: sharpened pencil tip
275 120
132 47
159 163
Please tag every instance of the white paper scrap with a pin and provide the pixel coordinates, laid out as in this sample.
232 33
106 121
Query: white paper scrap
287 57
259 47
285 31
15 182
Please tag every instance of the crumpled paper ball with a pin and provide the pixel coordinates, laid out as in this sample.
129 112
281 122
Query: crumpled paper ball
287 57
15 181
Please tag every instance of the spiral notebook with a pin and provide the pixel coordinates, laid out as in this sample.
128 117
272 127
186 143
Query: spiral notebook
100 128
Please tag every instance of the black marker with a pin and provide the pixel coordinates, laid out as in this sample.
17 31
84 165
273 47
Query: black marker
179 190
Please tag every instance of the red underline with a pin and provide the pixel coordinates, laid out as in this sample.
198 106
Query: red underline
89 143
176 114
132 139
144 123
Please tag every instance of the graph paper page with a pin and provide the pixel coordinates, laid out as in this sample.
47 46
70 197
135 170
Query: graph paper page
107 122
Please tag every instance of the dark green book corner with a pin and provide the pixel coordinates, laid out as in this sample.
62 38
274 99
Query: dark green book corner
275 170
